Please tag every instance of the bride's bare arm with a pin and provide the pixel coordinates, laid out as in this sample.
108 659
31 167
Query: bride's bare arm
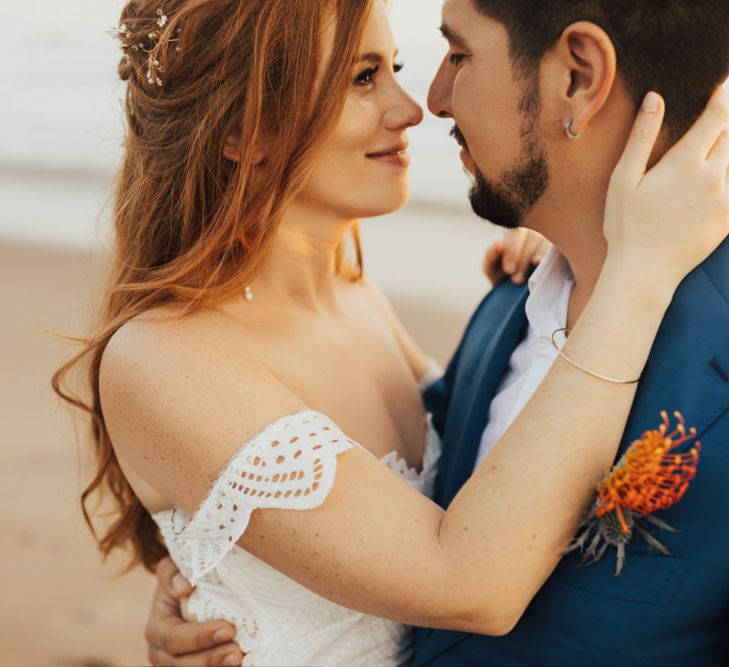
377 545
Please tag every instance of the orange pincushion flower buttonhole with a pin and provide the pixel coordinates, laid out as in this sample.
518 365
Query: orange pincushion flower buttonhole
652 475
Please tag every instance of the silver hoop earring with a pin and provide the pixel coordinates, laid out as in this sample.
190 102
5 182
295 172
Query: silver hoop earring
571 134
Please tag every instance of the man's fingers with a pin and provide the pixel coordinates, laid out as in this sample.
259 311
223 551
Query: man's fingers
173 641
530 250
171 580
178 637
544 247
495 252
167 631
492 263
646 128
226 655
700 139
514 241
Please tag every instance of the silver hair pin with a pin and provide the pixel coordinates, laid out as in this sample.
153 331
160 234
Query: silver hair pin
162 20
154 69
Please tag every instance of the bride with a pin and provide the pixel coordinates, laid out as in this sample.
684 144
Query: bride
256 408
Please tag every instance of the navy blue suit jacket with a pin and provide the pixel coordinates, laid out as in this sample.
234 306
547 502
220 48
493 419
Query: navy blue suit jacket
663 610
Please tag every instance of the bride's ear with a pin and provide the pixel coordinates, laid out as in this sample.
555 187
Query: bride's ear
231 150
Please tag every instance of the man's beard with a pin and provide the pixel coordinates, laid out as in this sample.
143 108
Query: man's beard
507 202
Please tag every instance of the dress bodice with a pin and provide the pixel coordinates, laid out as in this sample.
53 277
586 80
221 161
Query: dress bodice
278 621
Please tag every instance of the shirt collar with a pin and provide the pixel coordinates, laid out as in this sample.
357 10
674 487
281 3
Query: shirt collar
550 287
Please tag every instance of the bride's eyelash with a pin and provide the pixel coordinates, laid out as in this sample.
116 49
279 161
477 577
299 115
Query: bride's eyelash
456 58
366 77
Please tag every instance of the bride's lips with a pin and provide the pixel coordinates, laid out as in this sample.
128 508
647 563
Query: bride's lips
395 155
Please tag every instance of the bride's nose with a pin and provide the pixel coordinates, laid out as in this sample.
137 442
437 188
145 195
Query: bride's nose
404 112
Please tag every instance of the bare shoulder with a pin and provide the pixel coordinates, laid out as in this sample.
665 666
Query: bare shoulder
152 350
374 291
151 337
178 399
416 358
380 302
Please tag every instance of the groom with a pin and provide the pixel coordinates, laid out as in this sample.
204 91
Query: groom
543 95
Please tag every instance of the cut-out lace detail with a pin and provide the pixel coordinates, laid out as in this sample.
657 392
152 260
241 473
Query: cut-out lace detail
291 464
424 480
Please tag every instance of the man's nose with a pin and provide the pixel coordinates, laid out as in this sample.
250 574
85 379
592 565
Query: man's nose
441 92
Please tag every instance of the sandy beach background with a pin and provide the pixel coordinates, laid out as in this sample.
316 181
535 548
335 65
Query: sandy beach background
59 143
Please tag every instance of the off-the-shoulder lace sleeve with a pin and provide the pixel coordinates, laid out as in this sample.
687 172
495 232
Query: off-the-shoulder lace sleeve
291 464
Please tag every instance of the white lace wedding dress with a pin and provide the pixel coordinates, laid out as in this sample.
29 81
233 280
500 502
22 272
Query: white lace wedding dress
291 464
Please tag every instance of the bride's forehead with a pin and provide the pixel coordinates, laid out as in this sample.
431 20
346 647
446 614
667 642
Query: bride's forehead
377 36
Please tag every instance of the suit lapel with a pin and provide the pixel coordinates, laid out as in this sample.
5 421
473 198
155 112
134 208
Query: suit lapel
484 359
502 328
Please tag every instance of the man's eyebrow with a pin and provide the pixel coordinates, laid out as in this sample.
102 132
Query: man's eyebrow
453 37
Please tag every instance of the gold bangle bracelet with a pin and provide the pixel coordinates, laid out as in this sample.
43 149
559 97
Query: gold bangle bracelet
567 331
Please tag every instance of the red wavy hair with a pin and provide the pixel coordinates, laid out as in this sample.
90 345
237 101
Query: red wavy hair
190 226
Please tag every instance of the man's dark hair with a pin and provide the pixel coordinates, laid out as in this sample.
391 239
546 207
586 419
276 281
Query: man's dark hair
679 48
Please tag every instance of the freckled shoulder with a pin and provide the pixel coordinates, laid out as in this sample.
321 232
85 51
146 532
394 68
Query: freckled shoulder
176 404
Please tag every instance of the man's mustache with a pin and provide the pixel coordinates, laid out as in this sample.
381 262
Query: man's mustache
458 136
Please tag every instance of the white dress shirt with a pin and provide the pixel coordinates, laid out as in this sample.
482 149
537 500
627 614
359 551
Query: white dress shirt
546 308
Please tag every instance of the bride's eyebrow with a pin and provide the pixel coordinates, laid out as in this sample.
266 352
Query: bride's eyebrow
372 57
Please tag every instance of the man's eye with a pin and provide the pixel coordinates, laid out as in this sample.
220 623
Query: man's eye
365 78
398 67
455 58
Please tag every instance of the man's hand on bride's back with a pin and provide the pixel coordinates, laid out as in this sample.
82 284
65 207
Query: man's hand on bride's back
175 642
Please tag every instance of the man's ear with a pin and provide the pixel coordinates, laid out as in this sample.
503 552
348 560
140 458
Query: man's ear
231 150
587 55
